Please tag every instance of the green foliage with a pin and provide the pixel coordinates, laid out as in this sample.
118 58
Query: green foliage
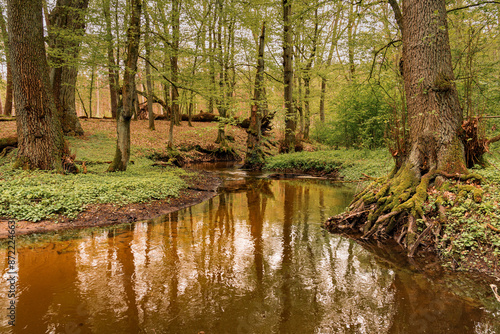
361 115
37 195
351 164
467 240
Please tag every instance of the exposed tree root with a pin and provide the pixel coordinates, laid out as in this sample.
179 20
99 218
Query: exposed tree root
393 207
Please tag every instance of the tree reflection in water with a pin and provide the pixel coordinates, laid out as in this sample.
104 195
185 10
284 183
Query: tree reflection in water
252 260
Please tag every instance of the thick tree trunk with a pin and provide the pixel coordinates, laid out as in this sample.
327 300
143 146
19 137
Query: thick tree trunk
434 112
434 150
41 143
290 115
67 24
126 110
255 157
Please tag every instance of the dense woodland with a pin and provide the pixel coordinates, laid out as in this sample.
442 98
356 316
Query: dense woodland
421 77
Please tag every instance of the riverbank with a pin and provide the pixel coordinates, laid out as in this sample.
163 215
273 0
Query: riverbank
42 201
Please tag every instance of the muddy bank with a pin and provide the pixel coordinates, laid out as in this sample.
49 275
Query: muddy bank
200 188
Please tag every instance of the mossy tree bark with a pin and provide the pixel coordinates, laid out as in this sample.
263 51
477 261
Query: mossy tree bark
127 103
255 157
41 142
67 26
434 149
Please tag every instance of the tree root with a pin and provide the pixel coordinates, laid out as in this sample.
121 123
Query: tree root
394 207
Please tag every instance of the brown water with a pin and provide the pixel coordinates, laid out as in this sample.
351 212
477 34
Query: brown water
252 260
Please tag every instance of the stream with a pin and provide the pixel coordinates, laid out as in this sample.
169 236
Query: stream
254 259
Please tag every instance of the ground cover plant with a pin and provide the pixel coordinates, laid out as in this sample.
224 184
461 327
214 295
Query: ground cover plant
345 164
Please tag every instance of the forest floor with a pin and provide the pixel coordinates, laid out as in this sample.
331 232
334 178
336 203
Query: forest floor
44 201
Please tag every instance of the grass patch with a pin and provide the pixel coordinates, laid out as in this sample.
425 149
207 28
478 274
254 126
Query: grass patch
350 163
37 195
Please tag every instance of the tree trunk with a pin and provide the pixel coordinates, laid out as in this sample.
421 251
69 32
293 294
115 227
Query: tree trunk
221 98
307 78
290 115
126 110
112 72
149 84
434 150
255 157
175 22
67 25
434 112
8 89
41 143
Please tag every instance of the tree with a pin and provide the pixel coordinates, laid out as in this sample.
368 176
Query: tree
67 26
127 102
290 114
8 90
434 151
149 84
112 71
255 157
41 142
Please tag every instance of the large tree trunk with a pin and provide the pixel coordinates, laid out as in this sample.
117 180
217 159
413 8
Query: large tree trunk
255 157
67 24
290 116
41 143
126 110
434 150
434 112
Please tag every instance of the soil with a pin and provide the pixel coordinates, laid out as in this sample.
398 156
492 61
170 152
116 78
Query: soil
201 188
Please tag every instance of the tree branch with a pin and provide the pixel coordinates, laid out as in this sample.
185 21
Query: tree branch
397 13
470 6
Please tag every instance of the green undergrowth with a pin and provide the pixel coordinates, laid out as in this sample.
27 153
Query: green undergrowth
470 236
37 195
351 164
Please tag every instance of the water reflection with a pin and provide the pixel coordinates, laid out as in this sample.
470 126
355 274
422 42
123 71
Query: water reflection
252 260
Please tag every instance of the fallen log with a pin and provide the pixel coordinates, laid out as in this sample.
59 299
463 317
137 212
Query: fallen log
8 142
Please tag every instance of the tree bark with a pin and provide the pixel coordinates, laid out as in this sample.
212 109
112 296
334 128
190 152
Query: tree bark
307 78
8 89
434 112
67 25
255 157
149 84
126 110
174 66
112 71
290 114
41 143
